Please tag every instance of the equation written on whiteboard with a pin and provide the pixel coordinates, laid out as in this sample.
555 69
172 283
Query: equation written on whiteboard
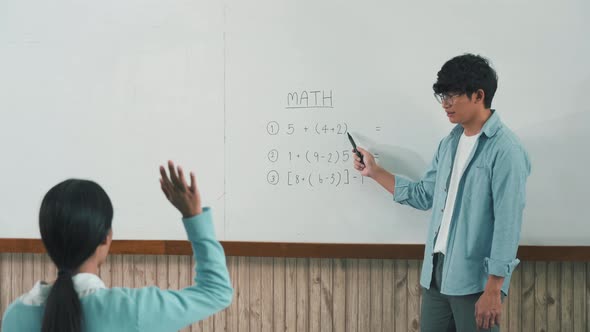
274 128
313 157
336 178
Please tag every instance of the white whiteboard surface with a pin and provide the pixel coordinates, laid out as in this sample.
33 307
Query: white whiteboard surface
109 91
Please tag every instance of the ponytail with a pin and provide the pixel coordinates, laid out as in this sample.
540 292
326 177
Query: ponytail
63 310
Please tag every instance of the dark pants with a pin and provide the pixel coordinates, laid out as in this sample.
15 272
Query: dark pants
442 313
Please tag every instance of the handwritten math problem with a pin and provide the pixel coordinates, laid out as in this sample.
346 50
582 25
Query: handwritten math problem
325 164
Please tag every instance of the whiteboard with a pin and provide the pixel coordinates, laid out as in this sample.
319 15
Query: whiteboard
109 91
257 96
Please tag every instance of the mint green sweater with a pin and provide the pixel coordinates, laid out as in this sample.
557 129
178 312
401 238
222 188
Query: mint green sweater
141 309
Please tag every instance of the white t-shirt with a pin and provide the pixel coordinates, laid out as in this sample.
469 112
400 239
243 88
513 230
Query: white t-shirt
466 144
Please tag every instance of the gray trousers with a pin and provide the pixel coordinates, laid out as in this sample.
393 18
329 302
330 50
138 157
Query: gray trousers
444 313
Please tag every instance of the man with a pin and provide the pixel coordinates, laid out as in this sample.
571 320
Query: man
476 189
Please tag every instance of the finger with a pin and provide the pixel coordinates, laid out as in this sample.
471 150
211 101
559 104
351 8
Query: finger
193 187
164 190
498 319
479 321
486 322
366 154
165 178
173 175
363 151
490 323
182 179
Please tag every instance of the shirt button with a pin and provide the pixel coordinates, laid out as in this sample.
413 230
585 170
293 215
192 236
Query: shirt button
442 210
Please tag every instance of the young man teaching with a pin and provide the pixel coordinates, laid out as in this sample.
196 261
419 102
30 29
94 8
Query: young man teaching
475 187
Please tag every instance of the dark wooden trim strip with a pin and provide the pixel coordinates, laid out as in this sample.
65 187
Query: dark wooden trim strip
315 250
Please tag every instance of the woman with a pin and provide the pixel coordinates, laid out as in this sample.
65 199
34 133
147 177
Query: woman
75 223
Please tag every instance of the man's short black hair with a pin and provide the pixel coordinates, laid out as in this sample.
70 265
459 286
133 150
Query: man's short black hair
467 73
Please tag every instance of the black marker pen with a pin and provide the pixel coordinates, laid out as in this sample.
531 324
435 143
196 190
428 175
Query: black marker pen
360 155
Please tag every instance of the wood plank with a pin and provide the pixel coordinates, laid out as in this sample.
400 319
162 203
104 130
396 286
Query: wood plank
514 297
116 270
505 315
579 296
315 317
255 294
173 272
232 313
326 297
528 296
27 275
567 296
139 272
5 281
553 296
376 291
162 271
364 284
151 271
303 291
267 290
128 271
401 295
339 294
279 284
388 295
104 271
352 294
540 296
291 293
17 273
243 288
414 291
38 267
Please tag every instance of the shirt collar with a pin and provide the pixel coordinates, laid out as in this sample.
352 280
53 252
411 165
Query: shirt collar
84 284
490 128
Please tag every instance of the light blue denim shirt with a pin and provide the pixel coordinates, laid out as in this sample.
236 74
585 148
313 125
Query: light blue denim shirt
487 217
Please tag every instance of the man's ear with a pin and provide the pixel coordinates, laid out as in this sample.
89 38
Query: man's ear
479 96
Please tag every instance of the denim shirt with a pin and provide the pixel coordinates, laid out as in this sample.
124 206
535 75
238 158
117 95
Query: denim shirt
485 227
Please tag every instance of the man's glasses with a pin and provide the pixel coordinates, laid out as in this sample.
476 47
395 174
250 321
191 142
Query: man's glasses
446 99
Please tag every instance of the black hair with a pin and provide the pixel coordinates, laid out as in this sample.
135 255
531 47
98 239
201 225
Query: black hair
465 74
74 219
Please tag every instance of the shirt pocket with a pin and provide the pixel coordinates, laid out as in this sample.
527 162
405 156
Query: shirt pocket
478 184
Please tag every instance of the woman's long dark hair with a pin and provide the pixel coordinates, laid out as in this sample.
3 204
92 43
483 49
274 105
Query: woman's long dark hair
75 218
